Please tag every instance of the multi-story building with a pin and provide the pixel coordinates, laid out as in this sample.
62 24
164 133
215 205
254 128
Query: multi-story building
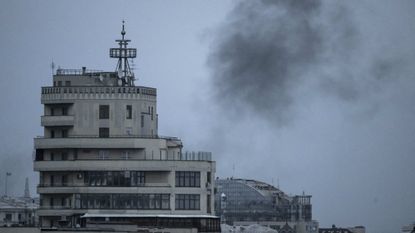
246 202
18 211
102 163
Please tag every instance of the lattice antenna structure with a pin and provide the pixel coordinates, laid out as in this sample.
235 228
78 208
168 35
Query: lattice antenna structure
125 73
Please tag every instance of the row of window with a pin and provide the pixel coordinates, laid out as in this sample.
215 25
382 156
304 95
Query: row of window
126 179
123 201
136 201
187 179
187 201
115 178
104 112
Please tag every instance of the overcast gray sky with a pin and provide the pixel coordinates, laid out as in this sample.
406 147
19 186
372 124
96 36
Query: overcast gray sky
313 96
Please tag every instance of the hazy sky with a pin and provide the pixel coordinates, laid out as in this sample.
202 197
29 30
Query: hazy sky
316 96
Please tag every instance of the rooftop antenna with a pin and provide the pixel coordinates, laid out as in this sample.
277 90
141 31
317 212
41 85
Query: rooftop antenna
52 66
233 170
123 53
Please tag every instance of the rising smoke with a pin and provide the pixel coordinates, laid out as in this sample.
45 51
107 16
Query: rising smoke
267 51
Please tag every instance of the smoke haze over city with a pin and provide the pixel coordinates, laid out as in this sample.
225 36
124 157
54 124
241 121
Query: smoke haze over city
313 96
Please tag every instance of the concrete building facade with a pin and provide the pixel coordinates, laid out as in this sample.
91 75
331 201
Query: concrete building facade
101 158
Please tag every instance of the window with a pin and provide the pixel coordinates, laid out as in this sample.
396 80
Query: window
104 132
104 112
142 121
115 178
187 179
64 155
59 83
208 204
64 133
64 111
129 113
52 133
125 201
67 83
8 217
187 202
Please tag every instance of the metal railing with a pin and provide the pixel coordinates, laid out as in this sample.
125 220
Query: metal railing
99 90
86 185
61 71
117 136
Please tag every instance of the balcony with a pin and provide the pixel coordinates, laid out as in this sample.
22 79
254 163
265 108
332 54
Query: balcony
57 120
83 188
115 165
96 142
68 94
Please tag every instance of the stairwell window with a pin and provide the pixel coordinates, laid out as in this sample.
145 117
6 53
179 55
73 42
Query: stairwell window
104 112
129 113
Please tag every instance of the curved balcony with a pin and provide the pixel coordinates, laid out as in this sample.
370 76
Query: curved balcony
57 120
68 94
111 165
145 188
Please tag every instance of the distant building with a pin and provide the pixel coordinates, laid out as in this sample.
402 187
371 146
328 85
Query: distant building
246 202
18 211
410 228
334 229
102 164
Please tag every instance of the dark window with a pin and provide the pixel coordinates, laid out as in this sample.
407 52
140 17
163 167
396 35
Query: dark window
64 155
59 83
64 133
115 178
39 155
52 111
64 111
104 112
187 202
67 83
187 179
8 217
52 133
125 201
129 113
142 121
104 132
208 205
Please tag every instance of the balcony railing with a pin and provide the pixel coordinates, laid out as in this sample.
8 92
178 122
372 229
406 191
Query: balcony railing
76 71
69 185
47 207
63 120
99 90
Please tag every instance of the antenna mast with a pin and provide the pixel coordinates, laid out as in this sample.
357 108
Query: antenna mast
123 53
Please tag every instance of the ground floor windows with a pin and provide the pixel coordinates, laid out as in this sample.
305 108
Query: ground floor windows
124 201
187 202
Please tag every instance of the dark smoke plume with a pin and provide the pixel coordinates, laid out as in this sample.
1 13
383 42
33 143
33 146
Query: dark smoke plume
267 49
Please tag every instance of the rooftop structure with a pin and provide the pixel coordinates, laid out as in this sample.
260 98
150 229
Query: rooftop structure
102 160
18 211
246 202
